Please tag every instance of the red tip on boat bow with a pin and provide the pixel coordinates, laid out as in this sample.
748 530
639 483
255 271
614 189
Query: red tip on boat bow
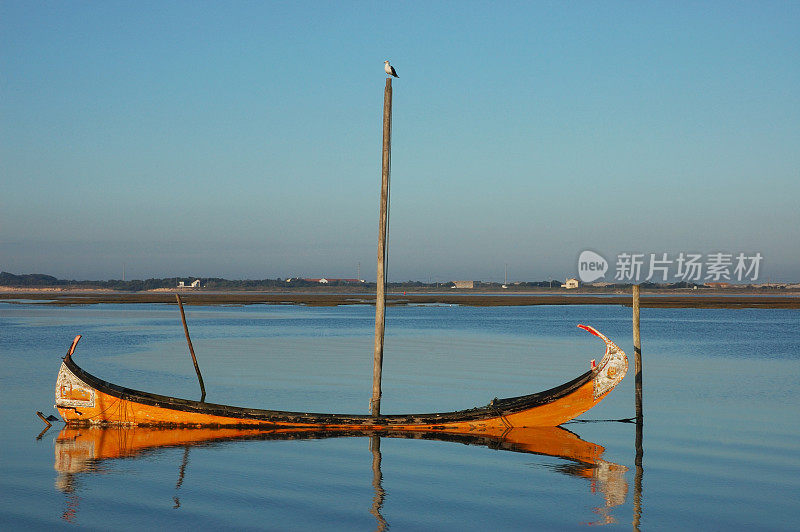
591 330
72 347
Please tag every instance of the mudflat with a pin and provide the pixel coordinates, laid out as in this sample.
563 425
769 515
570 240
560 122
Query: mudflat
90 297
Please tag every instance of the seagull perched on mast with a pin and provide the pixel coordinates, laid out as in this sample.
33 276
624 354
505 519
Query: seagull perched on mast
389 69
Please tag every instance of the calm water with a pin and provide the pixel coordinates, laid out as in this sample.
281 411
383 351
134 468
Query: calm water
721 434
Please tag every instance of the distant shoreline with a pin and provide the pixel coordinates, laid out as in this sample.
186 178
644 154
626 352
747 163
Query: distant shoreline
656 299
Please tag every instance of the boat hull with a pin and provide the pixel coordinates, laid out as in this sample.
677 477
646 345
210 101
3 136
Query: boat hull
82 398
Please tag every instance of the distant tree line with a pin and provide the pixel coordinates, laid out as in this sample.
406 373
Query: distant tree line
37 280
29 280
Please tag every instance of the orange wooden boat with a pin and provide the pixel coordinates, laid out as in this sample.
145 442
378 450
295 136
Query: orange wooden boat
82 398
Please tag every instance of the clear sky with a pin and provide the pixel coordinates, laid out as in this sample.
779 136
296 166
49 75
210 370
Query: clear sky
243 139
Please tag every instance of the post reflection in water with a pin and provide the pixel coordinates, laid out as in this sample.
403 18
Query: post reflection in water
181 474
637 480
82 451
377 483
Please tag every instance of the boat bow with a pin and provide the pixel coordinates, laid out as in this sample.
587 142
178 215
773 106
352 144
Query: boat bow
612 368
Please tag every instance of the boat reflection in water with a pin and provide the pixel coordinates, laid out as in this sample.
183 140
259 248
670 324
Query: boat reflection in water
82 450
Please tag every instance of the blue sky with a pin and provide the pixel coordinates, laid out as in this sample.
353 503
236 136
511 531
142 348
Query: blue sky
243 139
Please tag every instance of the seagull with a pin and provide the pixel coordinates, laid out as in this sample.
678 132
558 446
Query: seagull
389 69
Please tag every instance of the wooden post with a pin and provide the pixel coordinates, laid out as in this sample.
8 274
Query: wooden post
637 357
383 222
637 352
191 350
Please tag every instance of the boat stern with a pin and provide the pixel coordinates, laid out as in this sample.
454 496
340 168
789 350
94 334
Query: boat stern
73 396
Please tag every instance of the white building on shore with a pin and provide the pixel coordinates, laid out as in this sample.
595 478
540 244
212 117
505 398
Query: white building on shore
571 283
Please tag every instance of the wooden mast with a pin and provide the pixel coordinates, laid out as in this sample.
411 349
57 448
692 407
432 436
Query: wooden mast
383 223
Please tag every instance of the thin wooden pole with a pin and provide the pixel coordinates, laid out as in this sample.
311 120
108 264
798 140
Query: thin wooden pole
191 350
637 352
380 295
